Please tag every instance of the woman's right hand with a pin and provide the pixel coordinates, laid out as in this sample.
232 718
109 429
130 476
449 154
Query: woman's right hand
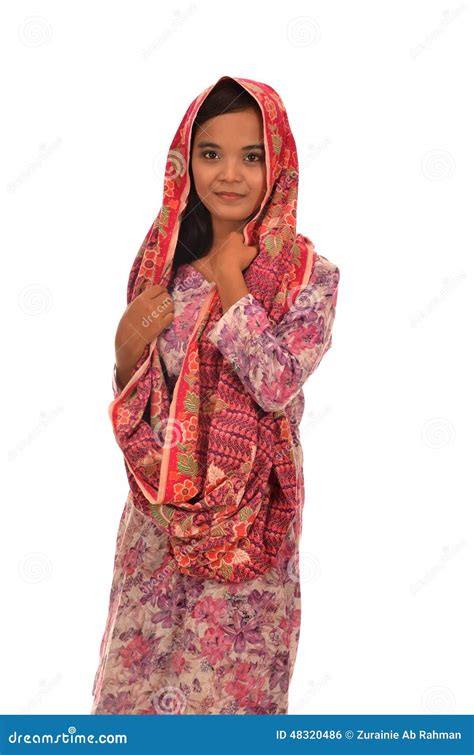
141 323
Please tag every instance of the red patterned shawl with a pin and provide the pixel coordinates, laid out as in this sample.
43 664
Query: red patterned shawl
226 491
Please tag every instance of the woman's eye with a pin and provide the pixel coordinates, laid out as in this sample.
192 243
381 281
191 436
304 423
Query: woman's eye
251 154
254 154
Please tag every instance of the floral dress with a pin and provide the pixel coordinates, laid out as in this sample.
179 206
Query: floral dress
177 644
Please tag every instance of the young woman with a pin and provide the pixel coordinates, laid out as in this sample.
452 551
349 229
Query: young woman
229 312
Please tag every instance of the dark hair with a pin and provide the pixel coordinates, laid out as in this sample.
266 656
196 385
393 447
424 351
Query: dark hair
195 233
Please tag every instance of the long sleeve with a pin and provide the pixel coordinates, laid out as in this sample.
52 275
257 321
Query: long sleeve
274 362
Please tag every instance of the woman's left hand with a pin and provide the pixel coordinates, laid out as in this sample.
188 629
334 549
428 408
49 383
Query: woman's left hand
234 254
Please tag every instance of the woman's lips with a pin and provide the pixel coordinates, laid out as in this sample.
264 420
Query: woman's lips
227 196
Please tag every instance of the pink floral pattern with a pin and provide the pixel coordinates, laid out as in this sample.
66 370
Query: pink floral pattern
175 643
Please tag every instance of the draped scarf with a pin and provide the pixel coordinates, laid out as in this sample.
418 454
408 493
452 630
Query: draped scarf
226 489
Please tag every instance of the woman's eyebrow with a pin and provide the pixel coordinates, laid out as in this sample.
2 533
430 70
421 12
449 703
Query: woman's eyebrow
217 146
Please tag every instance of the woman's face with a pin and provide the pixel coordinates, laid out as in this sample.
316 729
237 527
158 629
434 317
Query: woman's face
229 156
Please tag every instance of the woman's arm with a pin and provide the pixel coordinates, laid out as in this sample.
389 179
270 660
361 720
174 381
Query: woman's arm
141 323
274 362
231 286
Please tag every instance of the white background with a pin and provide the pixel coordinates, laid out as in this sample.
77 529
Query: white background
378 96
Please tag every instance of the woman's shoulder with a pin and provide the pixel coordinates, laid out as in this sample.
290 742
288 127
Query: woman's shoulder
325 273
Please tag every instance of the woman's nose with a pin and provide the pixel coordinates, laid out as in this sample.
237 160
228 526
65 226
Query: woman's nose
230 170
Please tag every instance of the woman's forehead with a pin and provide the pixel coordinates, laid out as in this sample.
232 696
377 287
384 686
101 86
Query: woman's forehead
244 127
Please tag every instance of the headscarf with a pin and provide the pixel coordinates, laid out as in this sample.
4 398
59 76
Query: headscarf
226 490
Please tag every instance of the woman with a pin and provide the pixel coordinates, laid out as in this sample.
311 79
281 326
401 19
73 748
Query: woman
229 312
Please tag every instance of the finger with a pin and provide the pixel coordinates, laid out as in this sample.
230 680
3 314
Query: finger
156 290
163 300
